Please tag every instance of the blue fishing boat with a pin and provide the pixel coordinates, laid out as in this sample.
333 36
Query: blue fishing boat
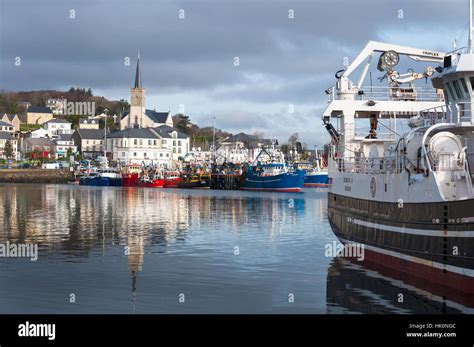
274 177
315 175
316 178
103 178
271 173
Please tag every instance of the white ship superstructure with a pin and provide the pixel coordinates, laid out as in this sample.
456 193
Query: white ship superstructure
406 192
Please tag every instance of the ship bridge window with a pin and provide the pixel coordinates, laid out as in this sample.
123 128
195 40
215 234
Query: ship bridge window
464 86
451 92
457 89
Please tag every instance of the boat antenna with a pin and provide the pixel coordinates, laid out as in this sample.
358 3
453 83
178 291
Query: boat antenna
470 26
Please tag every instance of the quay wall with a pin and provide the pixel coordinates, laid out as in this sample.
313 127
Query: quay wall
34 176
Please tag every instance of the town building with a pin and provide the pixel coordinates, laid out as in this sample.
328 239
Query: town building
7 127
38 133
57 106
7 136
139 116
64 143
139 146
88 124
89 142
38 147
57 126
38 115
12 119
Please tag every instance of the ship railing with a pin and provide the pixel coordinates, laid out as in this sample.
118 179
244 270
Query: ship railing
392 94
380 165
448 162
400 94
454 113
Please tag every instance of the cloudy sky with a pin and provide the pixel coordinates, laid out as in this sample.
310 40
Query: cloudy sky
285 64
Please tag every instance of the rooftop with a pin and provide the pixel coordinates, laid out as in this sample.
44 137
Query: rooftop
39 109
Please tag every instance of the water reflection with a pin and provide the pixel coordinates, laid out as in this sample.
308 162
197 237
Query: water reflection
365 287
83 233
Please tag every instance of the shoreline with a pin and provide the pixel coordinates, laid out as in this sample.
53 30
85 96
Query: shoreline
34 176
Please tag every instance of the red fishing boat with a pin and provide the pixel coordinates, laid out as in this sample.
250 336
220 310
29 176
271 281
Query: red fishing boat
154 182
130 175
172 179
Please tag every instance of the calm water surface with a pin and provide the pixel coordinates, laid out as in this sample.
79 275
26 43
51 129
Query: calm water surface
129 250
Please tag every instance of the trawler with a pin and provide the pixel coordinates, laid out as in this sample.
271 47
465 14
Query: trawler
404 188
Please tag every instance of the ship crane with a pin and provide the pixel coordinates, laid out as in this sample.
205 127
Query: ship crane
389 58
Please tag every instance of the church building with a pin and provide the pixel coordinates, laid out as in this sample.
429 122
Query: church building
139 116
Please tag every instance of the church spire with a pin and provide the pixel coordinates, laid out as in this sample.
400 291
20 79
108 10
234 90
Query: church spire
138 77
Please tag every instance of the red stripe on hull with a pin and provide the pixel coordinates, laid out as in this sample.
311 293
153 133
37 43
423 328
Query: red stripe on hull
281 190
428 273
316 185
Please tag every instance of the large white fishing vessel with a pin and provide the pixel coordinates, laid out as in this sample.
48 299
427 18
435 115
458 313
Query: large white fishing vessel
404 188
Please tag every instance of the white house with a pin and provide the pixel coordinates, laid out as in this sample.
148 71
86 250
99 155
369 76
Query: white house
56 126
7 127
64 143
57 106
39 133
6 136
137 146
174 140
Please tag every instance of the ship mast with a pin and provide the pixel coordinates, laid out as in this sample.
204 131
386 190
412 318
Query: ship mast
470 26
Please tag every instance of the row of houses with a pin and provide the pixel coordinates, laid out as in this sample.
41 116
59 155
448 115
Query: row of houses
162 144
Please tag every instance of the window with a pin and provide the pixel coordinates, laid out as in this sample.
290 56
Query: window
179 143
174 142
472 84
174 150
167 154
87 142
464 86
161 155
141 142
123 154
134 154
135 142
149 142
457 89
179 149
451 92
154 142
144 155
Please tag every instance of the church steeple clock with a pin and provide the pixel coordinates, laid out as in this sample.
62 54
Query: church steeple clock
137 100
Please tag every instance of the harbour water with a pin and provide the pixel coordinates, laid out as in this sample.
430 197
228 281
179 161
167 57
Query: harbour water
132 250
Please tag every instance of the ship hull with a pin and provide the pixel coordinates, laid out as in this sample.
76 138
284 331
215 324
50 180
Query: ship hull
320 179
101 182
130 180
287 182
433 239
153 184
